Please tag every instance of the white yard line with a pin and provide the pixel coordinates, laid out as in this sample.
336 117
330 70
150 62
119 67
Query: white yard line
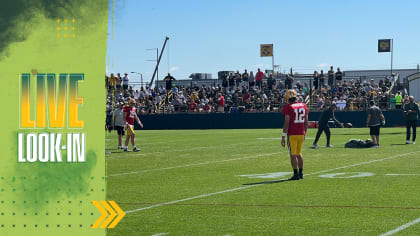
250 186
195 164
191 198
402 174
402 227
160 234
189 149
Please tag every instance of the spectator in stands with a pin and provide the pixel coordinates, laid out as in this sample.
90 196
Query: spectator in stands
338 77
192 107
231 80
259 77
288 81
398 100
225 81
271 81
315 80
118 81
125 80
251 80
111 82
245 78
331 77
341 104
321 79
238 79
387 82
220 103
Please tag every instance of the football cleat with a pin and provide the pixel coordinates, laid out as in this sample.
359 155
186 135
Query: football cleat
136 149
294 177
315 145
413 142
407 142
329 146
300 175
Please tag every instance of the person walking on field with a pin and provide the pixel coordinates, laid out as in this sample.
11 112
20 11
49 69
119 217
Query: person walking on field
374 120
326 115
411 111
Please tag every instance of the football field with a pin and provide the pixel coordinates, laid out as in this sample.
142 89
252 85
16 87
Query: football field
231 182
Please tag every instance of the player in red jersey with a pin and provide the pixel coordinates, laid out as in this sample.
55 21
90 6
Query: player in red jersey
295 126
130 114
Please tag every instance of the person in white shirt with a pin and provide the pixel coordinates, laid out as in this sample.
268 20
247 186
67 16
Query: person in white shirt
341 104
125 80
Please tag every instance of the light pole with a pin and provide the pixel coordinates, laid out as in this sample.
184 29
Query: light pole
141 77
157 61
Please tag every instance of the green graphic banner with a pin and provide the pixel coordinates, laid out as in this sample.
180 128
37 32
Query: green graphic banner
52 165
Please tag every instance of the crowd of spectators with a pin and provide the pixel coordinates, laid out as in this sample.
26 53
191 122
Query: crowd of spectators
238 92
246 92
355 94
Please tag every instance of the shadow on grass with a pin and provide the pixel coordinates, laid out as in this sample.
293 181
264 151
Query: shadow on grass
269 182
398 144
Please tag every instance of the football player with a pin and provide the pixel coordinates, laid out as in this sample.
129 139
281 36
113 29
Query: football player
130 114
294 127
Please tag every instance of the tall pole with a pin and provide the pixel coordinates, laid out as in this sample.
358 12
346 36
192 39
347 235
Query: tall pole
160 56
157 67
392 53
272 58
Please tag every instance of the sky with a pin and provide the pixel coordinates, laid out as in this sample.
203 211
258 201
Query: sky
218 35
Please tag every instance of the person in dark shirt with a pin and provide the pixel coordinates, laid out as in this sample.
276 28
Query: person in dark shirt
338 77
331 77
321 79
168 80
411 111
315 78
326 115
288 81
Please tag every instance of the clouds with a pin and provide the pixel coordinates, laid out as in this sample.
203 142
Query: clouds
173 68
323 64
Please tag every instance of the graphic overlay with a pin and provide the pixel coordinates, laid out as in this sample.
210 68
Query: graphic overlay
52 164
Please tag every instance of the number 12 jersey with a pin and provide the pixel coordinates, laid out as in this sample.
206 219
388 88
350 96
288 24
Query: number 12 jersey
297 113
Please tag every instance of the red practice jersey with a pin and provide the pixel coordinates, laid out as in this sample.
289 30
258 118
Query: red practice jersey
297 113
131 113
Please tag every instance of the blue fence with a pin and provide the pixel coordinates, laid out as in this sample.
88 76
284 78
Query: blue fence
251 120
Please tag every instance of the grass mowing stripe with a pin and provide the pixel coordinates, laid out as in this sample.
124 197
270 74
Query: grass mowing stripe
402 227
195 164
249 186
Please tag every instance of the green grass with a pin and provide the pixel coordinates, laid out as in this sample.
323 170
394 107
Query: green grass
180 164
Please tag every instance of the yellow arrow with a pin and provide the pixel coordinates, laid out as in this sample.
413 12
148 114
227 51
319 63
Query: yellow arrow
111 216
103 216
121 214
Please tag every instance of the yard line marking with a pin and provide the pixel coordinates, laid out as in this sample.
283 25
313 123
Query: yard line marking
195 164
160 234
249 186
277 205
401 174
191 198
188 149
402 227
